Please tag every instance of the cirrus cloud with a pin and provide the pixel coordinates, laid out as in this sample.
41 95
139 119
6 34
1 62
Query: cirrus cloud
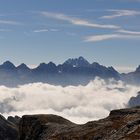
97 38
120 13
40 30
128 32
9 22
77 21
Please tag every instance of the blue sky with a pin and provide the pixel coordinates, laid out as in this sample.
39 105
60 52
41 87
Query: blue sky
106 31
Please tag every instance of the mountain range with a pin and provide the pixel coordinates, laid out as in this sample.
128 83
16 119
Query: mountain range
71 72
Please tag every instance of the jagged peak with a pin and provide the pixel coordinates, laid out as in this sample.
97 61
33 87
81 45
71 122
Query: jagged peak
95 64
51 64
138 69
45 65
22 66
42 64
81 58
8 64
111 68
77 62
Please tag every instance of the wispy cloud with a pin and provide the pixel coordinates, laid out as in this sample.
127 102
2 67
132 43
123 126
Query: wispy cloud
119 33
120 13
128 32
97 38
9 22
40 30
77 21
45 30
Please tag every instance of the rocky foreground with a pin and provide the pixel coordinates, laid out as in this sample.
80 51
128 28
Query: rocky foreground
121 124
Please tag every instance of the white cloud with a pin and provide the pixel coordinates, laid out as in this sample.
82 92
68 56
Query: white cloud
120 13
9 22
77 103
40 30
125 69
76 21
45 30
31 66
96 38
128 32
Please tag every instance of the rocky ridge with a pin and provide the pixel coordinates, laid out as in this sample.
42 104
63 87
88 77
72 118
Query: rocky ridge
123 124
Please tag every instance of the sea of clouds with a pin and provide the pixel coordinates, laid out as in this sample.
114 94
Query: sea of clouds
76 103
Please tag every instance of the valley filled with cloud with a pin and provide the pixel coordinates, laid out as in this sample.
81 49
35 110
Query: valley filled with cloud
76 103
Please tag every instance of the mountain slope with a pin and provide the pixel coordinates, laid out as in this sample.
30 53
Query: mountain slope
8 130
119 125
132 77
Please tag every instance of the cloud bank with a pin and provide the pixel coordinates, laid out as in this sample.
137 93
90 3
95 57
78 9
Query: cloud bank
77 103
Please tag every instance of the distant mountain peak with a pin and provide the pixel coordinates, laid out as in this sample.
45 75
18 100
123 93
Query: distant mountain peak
43 67
95 64
8 65
138 69
77 62
42 64
51 64
22 66
82 58
111 68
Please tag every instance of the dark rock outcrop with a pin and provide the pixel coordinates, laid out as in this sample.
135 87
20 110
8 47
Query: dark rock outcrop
121 124
8 130
15 120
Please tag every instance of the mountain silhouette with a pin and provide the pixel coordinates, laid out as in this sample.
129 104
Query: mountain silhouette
7 66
